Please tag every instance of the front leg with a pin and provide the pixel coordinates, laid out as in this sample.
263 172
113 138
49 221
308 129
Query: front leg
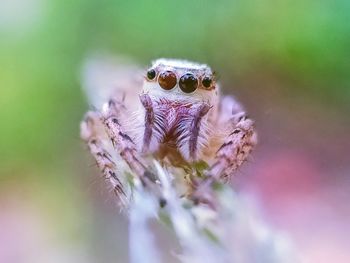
91 131
235 149
98 130
238 144
122 142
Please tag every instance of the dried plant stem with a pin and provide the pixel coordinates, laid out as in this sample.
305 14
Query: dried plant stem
230 233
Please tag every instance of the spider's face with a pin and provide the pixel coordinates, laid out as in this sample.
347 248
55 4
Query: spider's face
180 80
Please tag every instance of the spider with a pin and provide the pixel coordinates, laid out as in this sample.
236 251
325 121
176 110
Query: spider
178 116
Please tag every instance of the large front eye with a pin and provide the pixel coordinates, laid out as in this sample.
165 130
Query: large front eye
167 80
188 83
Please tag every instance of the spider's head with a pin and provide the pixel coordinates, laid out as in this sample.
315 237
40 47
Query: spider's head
175 79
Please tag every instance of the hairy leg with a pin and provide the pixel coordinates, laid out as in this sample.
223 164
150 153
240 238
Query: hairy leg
96 128
124 144
240 139
90 130
236 148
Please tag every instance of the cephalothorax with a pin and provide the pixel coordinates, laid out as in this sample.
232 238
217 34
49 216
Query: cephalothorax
179 118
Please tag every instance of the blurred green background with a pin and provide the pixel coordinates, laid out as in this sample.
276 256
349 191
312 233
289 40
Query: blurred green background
288 62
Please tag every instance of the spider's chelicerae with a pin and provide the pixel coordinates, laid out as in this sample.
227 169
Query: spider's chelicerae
179 119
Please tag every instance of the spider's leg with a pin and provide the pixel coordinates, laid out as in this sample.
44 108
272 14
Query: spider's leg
90 132
235 149
238 144
123 143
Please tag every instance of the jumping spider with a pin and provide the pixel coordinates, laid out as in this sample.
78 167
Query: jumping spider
179 118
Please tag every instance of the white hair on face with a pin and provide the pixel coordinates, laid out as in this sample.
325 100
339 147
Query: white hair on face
178 63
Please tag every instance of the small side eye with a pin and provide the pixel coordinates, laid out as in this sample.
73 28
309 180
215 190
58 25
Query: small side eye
207 81
167 80
151 74
188 83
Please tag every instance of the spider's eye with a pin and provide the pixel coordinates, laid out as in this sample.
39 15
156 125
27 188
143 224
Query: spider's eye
206 81
167 80
188 83
151 74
